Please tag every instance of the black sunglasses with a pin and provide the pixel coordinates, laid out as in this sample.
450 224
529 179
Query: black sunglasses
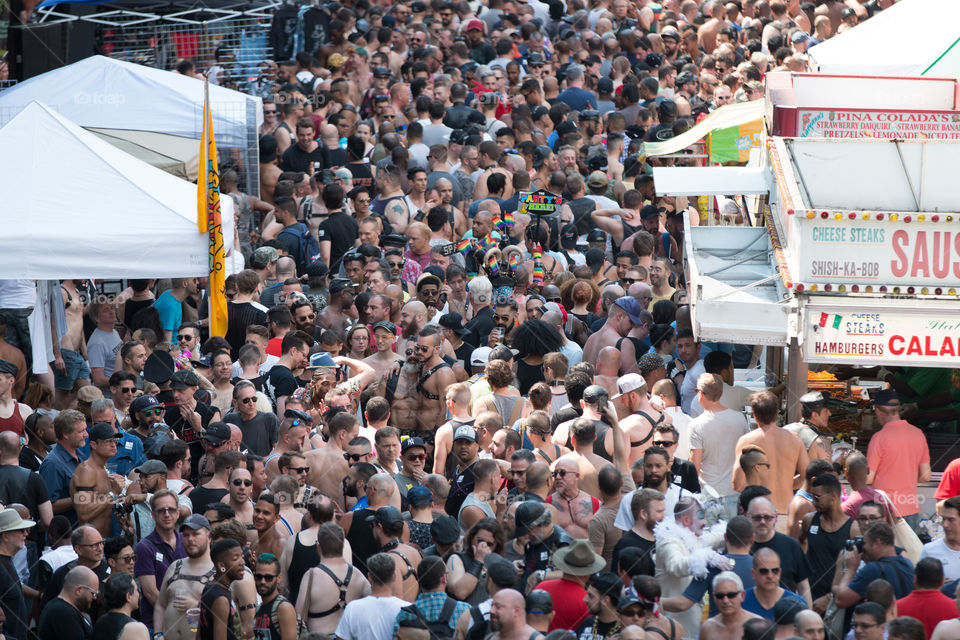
354 456
245 483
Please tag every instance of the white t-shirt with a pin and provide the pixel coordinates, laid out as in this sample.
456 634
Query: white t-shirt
688 390
682 423
573 351
370 618
716 434
948 557
735 398
625 521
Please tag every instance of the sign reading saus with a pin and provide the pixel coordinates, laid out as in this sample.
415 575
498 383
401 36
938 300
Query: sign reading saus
540 202
851 335
879 252
903 125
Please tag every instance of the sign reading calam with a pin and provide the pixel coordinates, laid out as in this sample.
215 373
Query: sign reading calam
880 252
540 202
871 336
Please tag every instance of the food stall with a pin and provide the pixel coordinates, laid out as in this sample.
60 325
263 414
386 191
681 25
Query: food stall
854 265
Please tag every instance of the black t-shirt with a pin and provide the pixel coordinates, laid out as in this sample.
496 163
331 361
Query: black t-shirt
202 496
362 176
241 315
19 485
12 600
259 434
633 539
463 354
263 627
280 382
211 593
564 415
334 157
296 159
461 485
61 620
340 230
483 53
685 474
793 563
29 460
480 327
586 630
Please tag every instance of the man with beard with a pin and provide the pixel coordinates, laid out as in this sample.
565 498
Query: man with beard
388 526
603 595
384 337
539 538
466 450
575 506
435 376
399 387
428 292
505 320
339 307
219 617
153 479
265 516
656 475
145 412
824 534
327 465
413 316
508 618
639 425
294 354
64 616
648 509
276 617
183 583
328 587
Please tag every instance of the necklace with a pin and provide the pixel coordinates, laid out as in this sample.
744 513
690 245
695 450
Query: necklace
593 629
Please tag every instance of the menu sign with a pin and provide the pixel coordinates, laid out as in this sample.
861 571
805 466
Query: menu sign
902 125
879 252
871 335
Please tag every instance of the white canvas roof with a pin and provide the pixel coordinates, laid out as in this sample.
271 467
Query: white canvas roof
105 93
78 207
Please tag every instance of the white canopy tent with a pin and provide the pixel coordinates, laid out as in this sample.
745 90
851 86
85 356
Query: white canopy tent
104 93
103 214
911 38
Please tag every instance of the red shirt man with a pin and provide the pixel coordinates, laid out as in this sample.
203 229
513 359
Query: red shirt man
577 562
926 603
898 455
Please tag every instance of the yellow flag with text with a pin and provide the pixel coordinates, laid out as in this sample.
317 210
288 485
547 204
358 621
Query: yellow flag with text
208 219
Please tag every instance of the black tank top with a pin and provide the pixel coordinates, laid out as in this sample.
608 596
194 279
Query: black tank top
581 209
110 625
211 593
600 438
361 538
822 550
304 558
527 376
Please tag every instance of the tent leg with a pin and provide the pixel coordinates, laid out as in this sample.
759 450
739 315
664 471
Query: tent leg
796 380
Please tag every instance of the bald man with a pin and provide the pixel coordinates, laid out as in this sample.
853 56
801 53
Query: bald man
608 370
413 317
508 618
808 624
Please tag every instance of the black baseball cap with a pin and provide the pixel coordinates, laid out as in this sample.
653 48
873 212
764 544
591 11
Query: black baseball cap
103 431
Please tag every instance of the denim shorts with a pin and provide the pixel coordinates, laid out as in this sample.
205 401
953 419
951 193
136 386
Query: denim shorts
77 368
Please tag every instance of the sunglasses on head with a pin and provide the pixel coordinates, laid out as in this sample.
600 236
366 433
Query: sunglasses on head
244 483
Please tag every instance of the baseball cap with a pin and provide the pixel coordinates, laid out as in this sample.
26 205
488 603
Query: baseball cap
216 433
886 398
597 179
465 432
569 236
500 570
565 127
151 466
595 258
264 256
196 522
685 77
539 602
143 403
541 153
103 431
605 85
317 269
445 530
632 307
158 368
648 211
321 360
419 494
480 357
596 235
589 114
458 136
534 59
454 322
503 352
8 367
528 515
383 324
381 72
184 379
799 36
474 25
629 382
595 394
670 32
412 442
386 516
597 162
339 284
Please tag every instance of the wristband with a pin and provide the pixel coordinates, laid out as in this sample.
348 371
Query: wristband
475 569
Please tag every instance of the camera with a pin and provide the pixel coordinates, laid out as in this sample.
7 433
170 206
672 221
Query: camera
122 509
856 542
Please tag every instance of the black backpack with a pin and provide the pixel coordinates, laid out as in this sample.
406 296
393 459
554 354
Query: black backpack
439 630
481 625
308 249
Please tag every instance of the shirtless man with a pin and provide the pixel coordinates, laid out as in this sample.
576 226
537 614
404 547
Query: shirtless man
291 435
269 540
73 349
639 425
608 370
400 390
269 171
388 527
435 376
595 406
239 488
327 588
289 519
385 358
785 452
622 316
327 465
728 593
413 317
583 432
339 306
91 485
575 507
184 582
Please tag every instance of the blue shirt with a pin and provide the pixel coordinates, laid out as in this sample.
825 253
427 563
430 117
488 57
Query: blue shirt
741 566
56 470
751 604
578 99
171 312
431 605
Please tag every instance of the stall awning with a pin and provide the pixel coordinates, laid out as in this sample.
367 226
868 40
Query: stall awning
710 181
731 115
736 292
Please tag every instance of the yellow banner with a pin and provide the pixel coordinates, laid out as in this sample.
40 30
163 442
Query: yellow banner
209 222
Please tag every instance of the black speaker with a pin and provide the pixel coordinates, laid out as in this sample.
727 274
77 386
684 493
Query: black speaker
38 48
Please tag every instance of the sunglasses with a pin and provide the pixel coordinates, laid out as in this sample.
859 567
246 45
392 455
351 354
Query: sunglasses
269 113
416 457
563 473
767 571
248 400
355 457
763 518
514 472
663 443
422 348
632 613
298 469
308 317
557 299
167 510
631 280
184 337
730 595
153 412
127 389
865 625
264 576
243 483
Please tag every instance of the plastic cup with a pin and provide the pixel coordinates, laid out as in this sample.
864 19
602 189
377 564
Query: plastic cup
193 619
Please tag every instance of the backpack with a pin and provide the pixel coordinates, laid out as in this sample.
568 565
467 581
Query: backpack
440 629
480 627
308 249
275 617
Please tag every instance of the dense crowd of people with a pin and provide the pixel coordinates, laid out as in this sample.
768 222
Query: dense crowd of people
459 395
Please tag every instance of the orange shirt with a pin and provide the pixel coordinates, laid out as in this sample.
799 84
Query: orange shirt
895 454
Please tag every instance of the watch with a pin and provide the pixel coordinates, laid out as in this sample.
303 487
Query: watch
157 636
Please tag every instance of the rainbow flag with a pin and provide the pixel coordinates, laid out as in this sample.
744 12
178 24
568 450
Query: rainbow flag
537 255
508 219
463 245
514 261
491 264
208 218
487 242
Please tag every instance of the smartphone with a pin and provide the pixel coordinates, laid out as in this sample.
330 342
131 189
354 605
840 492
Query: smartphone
442 300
